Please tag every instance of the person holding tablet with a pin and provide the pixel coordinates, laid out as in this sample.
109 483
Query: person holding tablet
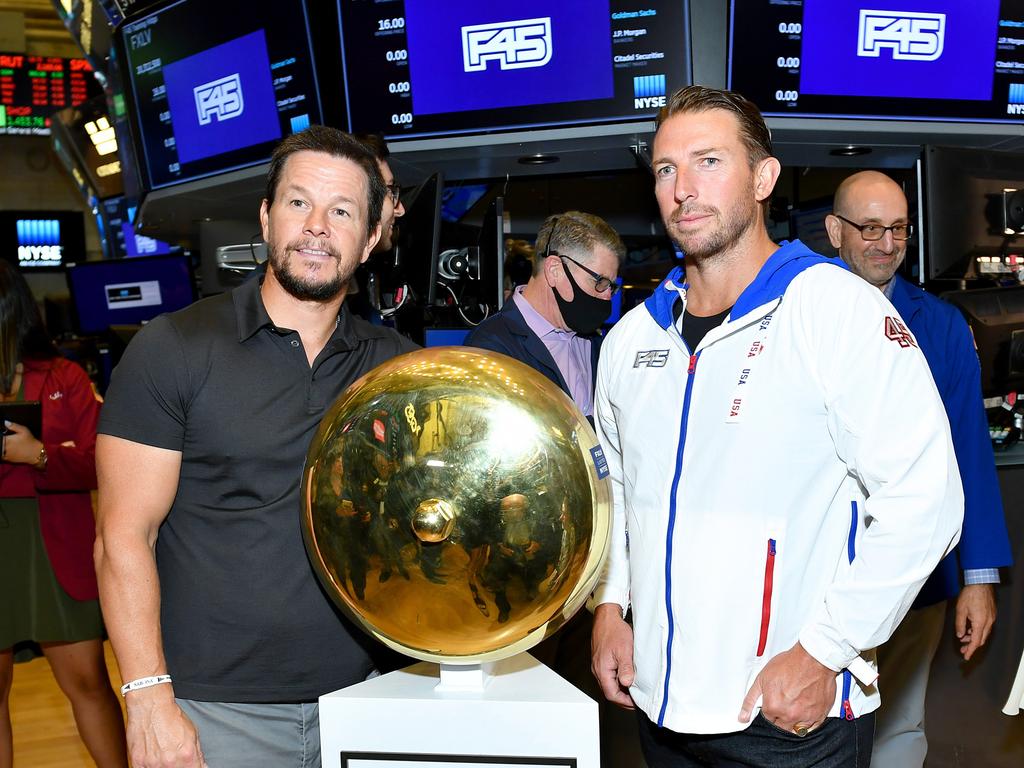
49 598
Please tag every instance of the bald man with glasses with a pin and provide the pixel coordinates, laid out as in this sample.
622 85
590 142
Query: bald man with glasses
869 227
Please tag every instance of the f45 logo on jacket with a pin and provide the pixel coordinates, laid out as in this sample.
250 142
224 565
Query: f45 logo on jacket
652 358
896 331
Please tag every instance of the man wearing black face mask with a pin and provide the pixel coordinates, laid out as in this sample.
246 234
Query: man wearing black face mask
550 323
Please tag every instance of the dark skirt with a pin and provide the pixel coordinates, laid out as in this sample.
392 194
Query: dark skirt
34 608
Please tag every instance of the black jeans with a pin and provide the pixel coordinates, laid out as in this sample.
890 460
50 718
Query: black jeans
838 743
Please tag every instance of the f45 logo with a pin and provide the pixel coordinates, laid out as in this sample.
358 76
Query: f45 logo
513 44
651 358
896 331
221 98
911 36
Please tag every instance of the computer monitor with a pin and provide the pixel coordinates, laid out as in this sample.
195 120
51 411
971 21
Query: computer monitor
963 195
119 292
996 317
419 238
213 86
444 68
950 60
491 272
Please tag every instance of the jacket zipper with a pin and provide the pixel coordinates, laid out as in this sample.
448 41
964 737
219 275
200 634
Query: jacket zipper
691 372
766 600
851 552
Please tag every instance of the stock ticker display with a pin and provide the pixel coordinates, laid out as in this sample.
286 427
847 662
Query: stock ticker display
34 87
422 68
213 89
881 59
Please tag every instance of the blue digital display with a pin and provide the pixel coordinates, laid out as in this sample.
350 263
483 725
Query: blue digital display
434 68
935 60
941 49
129 291
467 55
214 85
222 98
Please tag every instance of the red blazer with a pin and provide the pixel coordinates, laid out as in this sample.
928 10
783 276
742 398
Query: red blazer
71 410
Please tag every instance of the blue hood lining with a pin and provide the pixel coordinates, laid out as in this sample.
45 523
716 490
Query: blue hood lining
792 258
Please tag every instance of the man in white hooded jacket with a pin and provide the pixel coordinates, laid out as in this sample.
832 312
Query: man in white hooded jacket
784 479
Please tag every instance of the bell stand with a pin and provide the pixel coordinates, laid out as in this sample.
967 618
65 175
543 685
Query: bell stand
512 713
465 678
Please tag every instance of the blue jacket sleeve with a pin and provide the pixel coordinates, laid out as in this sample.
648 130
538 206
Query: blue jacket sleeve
984 542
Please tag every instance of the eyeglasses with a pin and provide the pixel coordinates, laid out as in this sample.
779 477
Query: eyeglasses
601 283
872 232
394 190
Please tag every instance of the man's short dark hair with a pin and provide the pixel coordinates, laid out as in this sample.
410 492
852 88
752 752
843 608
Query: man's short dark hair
696 98
331 141
376 144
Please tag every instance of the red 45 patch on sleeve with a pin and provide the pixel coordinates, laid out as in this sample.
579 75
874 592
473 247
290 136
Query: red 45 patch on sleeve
896 331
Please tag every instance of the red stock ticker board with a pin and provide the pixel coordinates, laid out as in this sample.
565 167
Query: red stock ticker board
34 87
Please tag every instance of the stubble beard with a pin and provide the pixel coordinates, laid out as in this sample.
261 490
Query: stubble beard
708 247
305 289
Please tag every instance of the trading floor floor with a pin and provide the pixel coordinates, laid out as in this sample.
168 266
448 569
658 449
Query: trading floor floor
966 728
44 730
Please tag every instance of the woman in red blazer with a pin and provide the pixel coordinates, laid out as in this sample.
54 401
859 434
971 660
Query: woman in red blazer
49 595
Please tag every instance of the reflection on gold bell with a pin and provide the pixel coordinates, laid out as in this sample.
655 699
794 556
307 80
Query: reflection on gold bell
456 505
433 521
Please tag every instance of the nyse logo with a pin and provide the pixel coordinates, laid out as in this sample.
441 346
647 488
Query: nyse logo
38 241
221 98
513 44
1015 99
910 36
649 92
651 358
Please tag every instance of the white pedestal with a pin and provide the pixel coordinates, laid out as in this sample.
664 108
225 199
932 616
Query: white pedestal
526 716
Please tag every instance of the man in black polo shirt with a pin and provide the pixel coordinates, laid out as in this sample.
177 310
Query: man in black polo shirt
203 576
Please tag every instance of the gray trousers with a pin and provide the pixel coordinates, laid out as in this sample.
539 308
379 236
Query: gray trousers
903 666
256 735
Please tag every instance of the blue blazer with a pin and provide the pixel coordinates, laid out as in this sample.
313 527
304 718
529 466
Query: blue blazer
948 346
508 333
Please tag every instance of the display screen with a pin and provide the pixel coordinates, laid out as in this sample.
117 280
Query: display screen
882 59
122 239
419 68
42 240
215 85
129 291
33 87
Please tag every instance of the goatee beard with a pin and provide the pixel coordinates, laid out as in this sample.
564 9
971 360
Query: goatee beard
307 290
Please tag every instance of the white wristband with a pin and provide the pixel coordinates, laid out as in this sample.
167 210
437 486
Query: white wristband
144 682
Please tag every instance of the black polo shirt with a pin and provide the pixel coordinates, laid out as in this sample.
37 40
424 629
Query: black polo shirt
243 616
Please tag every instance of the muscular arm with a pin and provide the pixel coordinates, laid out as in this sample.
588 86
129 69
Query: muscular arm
137 484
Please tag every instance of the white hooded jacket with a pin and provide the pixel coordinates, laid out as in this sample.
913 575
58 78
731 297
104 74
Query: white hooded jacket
792 478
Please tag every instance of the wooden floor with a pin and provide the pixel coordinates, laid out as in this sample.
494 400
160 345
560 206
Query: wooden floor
44 729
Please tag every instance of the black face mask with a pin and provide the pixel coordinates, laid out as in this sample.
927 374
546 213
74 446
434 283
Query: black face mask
585 313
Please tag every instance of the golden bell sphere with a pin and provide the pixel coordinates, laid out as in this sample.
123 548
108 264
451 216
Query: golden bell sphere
456 505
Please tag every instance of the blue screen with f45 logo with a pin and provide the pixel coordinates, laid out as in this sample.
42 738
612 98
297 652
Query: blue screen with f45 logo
222 98
464 54
943 49
433 68
214 85
942 60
